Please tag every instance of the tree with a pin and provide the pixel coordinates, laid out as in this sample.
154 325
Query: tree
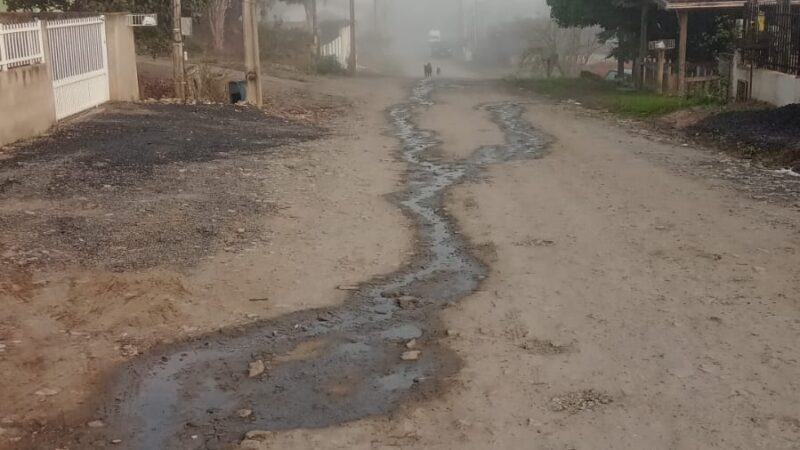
552 47
154 40
38 5
710 32
217 9
619 19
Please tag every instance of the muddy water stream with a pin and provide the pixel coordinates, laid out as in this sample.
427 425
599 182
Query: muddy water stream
329 366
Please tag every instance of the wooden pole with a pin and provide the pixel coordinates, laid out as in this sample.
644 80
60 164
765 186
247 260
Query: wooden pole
353 59
660 72
642 46
461 24
315 28
683 19
252 59
178 74
375 16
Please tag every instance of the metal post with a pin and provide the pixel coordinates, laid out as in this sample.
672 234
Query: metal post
178 74
252 60
353 59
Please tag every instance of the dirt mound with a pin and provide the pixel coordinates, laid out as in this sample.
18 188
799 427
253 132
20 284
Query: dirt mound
772 133
122 300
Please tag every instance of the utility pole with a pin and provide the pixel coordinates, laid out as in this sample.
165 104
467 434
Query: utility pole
461 23
683 21
375 18
252 59
315 29
640 67
353 60
178 74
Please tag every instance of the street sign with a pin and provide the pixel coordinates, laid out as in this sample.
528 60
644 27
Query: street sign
663 44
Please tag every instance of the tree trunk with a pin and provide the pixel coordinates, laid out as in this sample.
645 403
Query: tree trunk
309 9
620 57
216 18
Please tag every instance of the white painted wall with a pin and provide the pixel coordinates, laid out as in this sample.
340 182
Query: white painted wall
769 86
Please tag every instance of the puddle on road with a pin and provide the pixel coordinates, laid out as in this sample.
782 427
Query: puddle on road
339 364
405 332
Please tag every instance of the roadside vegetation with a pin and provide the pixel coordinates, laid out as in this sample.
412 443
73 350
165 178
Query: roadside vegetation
753 131
601 94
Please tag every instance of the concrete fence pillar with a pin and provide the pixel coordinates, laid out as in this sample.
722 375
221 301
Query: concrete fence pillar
123 79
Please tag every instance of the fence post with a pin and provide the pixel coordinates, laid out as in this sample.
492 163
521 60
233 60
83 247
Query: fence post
104 46
44 42
3 53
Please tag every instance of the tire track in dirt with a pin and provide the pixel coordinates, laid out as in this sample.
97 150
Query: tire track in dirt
328 366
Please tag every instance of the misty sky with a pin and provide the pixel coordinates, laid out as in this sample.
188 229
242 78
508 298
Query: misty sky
417 14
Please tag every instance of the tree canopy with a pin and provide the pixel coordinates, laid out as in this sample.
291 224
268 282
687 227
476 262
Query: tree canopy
710 32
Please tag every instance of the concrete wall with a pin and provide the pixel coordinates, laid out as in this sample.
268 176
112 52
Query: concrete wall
123 81
27 107
768 86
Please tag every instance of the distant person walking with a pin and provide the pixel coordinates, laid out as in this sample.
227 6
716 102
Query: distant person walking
428 70
438 71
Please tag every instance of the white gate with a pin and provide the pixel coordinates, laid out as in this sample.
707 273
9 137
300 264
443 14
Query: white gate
20 45
79 63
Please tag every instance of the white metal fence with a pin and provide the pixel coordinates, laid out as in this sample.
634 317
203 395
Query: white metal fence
141 20
20 44
78 62
339 47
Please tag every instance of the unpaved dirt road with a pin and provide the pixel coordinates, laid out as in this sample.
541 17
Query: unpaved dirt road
490 270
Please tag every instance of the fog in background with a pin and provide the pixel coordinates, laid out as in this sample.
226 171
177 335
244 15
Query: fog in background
396 38
465 25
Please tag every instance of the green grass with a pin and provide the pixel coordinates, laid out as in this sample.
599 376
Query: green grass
601 94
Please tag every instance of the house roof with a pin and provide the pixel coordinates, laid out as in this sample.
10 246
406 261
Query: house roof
710 4
701 4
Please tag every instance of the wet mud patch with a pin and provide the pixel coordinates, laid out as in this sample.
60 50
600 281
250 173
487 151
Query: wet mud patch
321 368
486 252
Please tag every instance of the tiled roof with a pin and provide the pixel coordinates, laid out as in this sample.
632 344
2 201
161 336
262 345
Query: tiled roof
698 4
719 4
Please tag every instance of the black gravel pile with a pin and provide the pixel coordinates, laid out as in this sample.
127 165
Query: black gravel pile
140 186
772 133
139 137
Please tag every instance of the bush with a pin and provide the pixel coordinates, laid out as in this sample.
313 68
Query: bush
329 65
608 95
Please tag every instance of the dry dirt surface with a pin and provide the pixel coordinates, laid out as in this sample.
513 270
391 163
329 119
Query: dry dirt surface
633 301
145 224
576 285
